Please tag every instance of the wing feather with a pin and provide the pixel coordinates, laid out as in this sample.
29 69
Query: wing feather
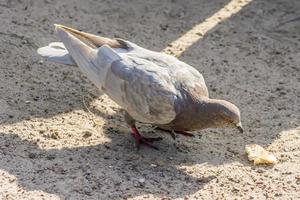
144 89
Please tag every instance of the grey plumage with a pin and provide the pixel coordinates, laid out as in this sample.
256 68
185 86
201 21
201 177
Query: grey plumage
152 87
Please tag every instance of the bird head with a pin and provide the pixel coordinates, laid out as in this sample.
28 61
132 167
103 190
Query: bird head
229 114
220 113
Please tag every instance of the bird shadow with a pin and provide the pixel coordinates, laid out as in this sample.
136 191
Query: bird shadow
115 168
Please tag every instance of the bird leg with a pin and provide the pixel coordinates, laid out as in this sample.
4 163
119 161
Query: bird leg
139 139
173 133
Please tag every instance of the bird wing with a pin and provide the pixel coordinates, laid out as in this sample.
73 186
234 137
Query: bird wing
145 90
186 75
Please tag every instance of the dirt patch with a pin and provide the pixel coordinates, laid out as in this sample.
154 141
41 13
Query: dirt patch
51 147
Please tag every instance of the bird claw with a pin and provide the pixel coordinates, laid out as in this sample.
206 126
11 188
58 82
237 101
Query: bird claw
141 140
185 133
173 133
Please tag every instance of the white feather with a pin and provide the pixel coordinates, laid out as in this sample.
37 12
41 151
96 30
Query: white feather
94 63
57 45
56 53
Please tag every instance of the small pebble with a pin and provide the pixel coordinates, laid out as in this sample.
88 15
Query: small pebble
55 136
142 180
87 134
32 155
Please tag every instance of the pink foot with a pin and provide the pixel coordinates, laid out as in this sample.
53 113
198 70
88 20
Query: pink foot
141 140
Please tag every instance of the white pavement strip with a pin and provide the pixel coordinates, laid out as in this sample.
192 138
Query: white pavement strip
181 44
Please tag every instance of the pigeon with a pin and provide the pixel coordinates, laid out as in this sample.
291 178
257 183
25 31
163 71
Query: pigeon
151 87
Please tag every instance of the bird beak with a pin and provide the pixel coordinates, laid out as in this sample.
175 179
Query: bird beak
240 127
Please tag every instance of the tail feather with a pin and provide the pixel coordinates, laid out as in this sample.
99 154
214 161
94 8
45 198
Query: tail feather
56 52
94 63
92 54
57 45
91 40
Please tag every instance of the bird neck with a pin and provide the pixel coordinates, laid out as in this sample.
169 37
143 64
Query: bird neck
198 113
209 112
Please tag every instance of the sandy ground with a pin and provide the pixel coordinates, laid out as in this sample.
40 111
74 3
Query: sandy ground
51 147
